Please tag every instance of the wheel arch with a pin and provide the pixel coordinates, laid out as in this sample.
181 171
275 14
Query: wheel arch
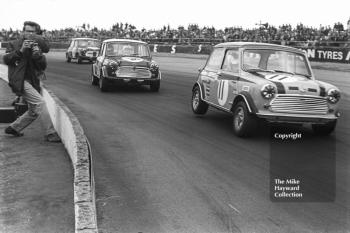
247 98
93 70
197 84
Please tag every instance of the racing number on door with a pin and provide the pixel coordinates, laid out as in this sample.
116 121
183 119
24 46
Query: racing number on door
222 92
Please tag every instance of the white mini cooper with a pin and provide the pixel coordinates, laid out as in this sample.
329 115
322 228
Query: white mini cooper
263 81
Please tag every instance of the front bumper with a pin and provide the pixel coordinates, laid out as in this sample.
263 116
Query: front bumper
131 81
89 58
297 118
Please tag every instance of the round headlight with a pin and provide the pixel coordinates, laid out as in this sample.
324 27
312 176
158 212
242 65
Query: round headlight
108 62
333 96
154 67
268 91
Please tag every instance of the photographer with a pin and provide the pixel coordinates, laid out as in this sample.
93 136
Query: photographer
26 65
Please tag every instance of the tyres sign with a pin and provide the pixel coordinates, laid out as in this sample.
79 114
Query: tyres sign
341 55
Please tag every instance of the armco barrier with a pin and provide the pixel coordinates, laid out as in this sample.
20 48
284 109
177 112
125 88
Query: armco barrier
337 55
193 49
53 45
324 54
76 144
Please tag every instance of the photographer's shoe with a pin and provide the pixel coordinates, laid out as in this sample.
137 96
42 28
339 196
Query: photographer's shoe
53 137
12 131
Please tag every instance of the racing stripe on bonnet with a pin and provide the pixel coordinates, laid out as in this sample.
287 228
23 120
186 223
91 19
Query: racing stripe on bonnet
273 76
279 85
322 91
282 78
280 88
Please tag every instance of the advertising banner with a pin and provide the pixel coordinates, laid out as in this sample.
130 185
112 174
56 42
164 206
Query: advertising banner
339 55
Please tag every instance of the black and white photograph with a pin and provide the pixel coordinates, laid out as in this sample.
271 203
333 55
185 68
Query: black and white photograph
174 116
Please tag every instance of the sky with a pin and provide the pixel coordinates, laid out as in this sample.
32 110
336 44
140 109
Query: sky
153 14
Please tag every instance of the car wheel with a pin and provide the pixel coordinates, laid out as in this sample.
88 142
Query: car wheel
68 59
198 105
155 86
324 129
244 123
103 83
79 60
94 79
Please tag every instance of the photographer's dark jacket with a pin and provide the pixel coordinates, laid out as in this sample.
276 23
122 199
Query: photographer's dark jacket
24 66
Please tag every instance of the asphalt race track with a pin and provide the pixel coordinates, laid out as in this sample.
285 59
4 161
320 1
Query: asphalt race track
159 168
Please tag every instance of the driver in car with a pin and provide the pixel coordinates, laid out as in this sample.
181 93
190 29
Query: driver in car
128 50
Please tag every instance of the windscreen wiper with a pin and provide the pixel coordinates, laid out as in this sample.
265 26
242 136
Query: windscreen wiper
254 70
283 71
135 54
305 75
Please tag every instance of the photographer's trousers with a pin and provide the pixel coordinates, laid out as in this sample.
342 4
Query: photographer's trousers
36 107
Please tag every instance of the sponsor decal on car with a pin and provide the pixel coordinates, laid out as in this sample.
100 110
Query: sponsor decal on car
222 92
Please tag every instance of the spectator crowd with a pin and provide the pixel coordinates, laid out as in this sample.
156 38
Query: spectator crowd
301 35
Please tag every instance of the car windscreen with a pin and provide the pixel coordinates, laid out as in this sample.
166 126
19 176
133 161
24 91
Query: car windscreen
88 43
276 61
127 49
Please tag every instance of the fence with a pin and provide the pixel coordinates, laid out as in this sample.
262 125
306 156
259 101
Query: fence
315 52
320 54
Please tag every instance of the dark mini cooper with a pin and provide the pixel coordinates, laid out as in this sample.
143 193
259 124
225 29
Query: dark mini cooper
83 49
124 62
263 81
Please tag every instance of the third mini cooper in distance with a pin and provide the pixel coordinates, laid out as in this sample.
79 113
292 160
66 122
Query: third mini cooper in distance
122 62
263 81
83 49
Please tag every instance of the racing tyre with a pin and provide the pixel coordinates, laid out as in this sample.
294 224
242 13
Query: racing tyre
244 123
198 105
324 129
155 86
68 59
103 83
94 79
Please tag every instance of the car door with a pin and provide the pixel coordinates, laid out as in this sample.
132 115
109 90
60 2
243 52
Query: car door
70 48
210 74
99 60
75 49
227 78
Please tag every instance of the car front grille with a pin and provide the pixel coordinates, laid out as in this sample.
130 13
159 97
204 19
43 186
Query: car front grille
91 54
131 72
299 104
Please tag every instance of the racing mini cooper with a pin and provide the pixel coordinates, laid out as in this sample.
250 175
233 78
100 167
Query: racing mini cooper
123 62
81 49
263 81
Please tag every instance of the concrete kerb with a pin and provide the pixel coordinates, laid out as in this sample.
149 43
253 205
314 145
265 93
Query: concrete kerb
78 148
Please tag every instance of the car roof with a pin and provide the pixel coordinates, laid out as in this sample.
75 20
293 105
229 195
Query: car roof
257 45
124 40
84 38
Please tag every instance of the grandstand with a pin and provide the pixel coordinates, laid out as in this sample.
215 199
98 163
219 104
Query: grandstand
301 36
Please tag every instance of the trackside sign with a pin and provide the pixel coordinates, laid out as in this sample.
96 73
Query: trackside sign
338 55
341 55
